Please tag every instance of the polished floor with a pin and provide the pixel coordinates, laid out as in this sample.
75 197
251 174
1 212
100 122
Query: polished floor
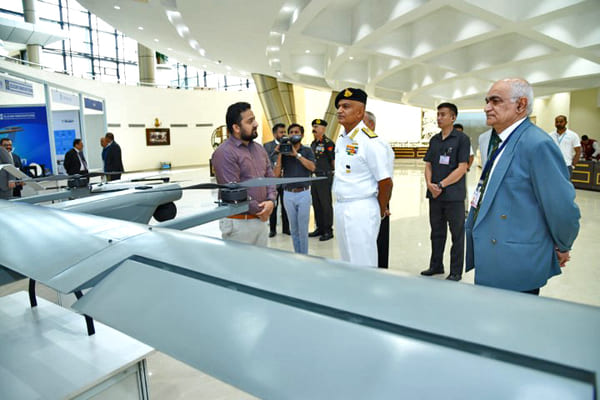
409 254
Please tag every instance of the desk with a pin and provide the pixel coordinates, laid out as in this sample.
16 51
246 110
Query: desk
409 152
45 353
586 175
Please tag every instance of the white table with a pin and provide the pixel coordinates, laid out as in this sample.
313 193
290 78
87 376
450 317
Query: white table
45 353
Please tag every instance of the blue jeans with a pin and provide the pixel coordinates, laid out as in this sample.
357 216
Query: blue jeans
297 207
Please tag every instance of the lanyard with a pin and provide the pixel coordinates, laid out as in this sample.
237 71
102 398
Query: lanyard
492 158
561 137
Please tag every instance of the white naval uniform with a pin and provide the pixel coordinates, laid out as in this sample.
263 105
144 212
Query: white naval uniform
361 161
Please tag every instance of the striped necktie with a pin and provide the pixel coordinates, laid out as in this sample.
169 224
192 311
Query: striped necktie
492 148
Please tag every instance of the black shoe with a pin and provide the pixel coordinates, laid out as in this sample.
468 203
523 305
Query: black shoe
326 236
315 233
454 277
272 233
287 232
429 272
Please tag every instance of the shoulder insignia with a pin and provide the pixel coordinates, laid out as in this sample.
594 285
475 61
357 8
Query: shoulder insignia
369 133
353 134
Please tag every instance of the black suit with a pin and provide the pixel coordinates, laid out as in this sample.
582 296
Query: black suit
113 161
19 165
72 165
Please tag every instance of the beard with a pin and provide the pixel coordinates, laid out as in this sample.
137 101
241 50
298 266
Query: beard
249 135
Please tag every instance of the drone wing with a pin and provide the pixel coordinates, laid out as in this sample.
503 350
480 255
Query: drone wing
283 325
17 173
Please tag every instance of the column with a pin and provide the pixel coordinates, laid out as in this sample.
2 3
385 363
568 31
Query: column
34 51
146 65
270 98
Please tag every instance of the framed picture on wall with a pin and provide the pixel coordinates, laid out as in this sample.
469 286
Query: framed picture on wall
158 136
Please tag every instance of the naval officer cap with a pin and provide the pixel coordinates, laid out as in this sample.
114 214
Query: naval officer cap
321 122
351 94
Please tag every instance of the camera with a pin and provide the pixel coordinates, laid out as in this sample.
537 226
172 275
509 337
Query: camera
285 145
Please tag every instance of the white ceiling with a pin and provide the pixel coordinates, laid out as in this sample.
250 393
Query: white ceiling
417 52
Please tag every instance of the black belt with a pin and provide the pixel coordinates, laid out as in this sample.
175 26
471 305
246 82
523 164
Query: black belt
319 173
298 189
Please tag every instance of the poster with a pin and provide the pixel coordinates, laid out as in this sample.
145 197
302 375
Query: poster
27 127
66 129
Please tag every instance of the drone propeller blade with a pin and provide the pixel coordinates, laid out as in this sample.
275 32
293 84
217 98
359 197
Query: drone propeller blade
257 182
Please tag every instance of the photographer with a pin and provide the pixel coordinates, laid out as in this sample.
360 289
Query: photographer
296 160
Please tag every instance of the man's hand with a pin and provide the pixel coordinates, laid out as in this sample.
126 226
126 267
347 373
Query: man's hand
385 213
434 189
266 208
12 184
563 258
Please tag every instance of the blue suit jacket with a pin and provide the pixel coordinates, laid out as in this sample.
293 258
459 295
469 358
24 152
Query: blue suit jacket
528 209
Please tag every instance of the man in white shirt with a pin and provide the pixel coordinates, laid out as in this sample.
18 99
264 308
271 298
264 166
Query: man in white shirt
363 181
567 141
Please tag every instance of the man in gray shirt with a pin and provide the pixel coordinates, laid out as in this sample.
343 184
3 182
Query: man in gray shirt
6 187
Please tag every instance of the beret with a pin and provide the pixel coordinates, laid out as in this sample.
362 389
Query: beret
351 94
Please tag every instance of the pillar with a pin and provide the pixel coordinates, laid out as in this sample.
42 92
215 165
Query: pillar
146 65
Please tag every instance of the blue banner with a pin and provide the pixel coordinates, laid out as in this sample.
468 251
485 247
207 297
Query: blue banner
27 127
92 104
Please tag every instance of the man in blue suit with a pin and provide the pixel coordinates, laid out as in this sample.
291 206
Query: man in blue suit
523 218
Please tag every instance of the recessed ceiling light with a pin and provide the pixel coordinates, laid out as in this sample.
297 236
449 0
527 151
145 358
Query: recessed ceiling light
141 28
156 40
117 8
168 48
307 51
351 58
228 67
203 65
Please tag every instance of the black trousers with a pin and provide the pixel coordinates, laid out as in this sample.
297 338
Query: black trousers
383 243
322 204
441 215
284 219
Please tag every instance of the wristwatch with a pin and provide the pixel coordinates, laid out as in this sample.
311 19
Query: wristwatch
439 185
298 156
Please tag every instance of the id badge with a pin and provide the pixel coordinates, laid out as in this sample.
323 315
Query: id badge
476 195
444 160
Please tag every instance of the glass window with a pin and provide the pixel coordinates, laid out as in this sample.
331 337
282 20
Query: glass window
53 61
12 5
82 66
80 39
77 17
46 10
129 50
105 46
103 26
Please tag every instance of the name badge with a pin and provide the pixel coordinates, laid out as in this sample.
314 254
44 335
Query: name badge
476 196
444 160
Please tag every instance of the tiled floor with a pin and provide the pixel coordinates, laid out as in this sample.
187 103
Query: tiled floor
409 253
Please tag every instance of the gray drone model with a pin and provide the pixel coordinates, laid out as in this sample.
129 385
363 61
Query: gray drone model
290 326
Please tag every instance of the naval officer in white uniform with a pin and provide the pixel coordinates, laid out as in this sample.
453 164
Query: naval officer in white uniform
363 181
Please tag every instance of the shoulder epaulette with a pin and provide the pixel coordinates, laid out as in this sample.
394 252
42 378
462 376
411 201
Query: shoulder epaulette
369 133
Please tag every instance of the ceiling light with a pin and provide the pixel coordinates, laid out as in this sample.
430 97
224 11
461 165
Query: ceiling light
202 52
168 48
273 48
203 65
351 58
307 51
117 8
156 40
228 68
278 73
141 28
